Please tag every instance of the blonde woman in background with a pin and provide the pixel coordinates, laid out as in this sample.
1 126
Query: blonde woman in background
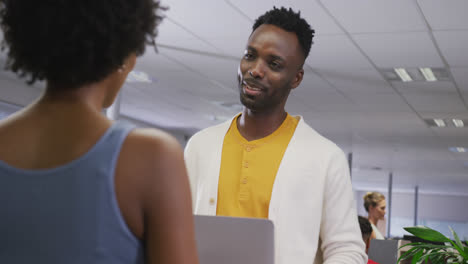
375 205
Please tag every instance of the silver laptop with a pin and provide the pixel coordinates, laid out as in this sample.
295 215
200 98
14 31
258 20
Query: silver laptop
384 251
233 240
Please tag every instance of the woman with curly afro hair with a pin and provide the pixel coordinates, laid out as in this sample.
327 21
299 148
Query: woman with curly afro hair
76 187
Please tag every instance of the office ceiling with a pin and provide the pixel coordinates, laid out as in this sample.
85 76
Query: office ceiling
344 95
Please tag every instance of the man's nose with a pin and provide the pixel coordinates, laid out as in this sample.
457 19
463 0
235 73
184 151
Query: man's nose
257 71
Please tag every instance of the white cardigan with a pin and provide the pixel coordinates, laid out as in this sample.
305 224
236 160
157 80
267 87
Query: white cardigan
312 204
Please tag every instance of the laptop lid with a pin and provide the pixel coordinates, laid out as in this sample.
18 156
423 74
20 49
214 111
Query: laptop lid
233 240
384 251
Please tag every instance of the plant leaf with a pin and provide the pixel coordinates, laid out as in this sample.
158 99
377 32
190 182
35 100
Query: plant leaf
417 257
437 257
457 239
408 253
460 250
427 234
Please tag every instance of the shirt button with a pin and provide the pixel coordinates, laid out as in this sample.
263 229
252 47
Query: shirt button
244 181
248 148
246 164
212 201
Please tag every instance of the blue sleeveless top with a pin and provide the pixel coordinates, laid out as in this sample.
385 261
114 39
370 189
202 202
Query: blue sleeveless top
68 214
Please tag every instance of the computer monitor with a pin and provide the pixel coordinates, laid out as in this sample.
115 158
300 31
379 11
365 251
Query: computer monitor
233 240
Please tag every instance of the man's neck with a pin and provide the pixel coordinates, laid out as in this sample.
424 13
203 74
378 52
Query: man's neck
254 125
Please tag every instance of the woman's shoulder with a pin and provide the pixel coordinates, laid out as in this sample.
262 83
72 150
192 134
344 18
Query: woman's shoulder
151 148
151 154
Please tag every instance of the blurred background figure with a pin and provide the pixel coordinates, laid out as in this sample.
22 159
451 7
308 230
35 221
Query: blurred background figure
366 231
375 205
76 187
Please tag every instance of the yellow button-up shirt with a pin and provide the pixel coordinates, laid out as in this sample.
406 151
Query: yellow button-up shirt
248 170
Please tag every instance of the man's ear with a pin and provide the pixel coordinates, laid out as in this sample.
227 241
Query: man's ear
297 79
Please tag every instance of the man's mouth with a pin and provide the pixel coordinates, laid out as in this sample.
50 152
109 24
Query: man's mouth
251 89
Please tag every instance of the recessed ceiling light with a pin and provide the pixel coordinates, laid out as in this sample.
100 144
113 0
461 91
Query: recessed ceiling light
138 77
439 122
413 74
458 122
403 74
458 149
446 122
428 74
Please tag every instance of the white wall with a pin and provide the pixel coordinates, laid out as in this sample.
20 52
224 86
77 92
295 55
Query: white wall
443 207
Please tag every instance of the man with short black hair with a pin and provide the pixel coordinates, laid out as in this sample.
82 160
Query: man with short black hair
265 163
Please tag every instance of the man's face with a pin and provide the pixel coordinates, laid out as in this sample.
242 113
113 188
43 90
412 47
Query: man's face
270 68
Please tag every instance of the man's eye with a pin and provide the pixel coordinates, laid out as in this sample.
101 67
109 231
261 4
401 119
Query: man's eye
248 56
275 65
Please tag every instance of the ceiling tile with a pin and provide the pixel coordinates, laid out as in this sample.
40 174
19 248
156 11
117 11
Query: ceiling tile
312 86
313 83
214 21
310 11
443 15
400 49
456 137
179 97
379 102
388 129
215 70
172 34
454 47
348 80
336 52
422 87
370 16
177 109
436 102
297 106
329 101
461 78
154 63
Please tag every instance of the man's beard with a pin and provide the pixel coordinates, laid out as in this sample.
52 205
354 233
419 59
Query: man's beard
252 103
261 102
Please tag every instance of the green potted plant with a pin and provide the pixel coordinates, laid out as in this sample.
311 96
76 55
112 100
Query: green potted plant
451 251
